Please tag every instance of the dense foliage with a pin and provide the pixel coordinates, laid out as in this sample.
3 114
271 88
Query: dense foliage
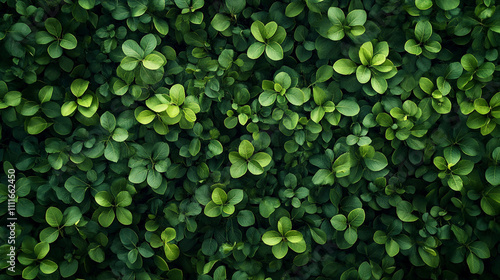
251 139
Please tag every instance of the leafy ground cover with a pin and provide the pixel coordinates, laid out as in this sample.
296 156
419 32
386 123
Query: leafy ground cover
250 139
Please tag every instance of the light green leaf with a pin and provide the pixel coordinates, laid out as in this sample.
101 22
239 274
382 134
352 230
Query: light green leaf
469 62
336 16
403 210
295 96
132 49
363 74
348 107
153 61
356 17
339 222
280 250
272 238
356 217
274 51
245 149
256 50
344 66
68 41
36 125
53 216
258 31
423 31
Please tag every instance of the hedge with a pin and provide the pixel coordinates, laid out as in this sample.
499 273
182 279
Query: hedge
249 139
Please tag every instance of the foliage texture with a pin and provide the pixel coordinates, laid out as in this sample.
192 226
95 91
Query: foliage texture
251 139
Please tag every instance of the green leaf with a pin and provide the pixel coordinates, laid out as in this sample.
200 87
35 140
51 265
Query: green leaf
53 26
53 216
274 51
256 50
262 158
392 248
96 253
44 95
432 46
132 49
376 163
30 272
455 182
294 236
87 4
284 225
106 217
219 196
258 31
366 53
255 168
323 74
356 217
474 263
36 125
348 107
270 28
423 31
148 44
123 199
463 167
104 199
469 62
212 210
365 271
280 250
68 269
379 84
336 16
79 86
294 8
49 234
356 17
339 222
124 216
429 256
447 4
145 117
351 235
172 252
220 22
295 96
54 50
68 41
403 210
423 4
138 174
363 74
41 249
245 149
492 175
344 66
411 46
153 61
318 235
48 267
235 6
43 38
177 94
480 249
108 121
272 238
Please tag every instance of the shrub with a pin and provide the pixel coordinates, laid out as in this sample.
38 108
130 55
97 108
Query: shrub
250 139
